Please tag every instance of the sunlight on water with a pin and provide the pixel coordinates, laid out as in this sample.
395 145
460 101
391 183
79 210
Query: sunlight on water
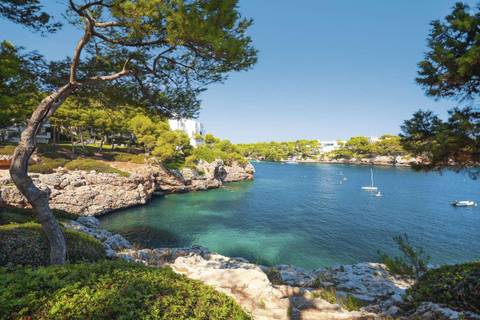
314 215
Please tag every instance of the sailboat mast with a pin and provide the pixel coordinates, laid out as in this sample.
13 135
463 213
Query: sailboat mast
371 175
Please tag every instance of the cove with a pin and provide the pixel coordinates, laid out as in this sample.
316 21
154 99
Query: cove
314 215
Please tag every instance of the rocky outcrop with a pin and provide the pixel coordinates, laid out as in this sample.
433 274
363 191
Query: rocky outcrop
91 193
300 295
83 193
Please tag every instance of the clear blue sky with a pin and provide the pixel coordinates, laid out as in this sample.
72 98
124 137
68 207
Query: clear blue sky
326 69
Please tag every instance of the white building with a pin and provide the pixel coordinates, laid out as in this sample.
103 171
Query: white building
12 134
329 146
191 127
373 139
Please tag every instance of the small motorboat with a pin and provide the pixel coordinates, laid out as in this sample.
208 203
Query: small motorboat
378 194
464 203
291 162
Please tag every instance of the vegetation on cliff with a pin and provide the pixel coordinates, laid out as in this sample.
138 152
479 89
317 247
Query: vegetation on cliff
109 290
26 244
456 286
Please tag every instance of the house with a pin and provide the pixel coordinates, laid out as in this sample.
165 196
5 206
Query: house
12 134
191 127
329 146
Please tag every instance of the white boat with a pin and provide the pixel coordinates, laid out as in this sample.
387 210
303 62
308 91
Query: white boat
371 187
464 203
291 162
378 194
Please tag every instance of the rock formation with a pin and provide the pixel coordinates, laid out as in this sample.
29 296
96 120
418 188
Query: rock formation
91 193
297 298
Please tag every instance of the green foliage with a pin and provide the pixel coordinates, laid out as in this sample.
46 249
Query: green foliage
47 165
110 290
91 164
30 14
26 244
351 303
216 149
453 143
450 67
327 294
456 286
274 276
361 147
172 146
276 151
19 83
413 262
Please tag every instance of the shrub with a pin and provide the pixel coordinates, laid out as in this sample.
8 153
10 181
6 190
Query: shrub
91 164
456 286
327 294
47 165
26 244
351 303
274 276
413 263
110 290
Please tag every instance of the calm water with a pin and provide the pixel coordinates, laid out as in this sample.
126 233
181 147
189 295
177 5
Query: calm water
307 215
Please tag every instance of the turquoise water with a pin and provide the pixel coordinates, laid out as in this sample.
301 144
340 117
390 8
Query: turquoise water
307 215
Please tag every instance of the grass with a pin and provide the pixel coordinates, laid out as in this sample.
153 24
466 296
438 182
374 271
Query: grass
351 303
327 294
26 244
47 165
7 149
110 290
92 164
456 286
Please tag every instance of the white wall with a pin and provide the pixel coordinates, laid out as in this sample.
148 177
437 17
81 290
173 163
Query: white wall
189 126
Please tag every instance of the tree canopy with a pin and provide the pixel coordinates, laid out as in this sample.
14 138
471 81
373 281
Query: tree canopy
20 81
451 68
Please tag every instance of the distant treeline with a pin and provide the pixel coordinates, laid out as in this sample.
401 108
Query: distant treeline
355 147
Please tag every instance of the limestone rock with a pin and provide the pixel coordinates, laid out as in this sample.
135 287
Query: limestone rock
91 193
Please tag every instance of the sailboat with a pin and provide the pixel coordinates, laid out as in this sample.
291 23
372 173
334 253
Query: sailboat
371 187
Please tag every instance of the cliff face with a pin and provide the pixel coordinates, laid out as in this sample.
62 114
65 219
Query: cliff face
91 194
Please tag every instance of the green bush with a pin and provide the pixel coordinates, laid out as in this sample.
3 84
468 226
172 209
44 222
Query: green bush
351 303
47 165
110 290
327 294
457 286
91 164
26 244
413 262
274 276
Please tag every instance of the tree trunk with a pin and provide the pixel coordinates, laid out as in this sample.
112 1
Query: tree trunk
82 141
19 173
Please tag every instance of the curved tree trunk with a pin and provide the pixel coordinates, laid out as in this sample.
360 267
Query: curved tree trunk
19 173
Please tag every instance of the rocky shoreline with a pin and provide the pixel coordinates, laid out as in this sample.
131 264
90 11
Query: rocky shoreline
92 193
297 293
385 161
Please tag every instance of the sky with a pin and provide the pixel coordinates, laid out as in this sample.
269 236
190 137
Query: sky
326 69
